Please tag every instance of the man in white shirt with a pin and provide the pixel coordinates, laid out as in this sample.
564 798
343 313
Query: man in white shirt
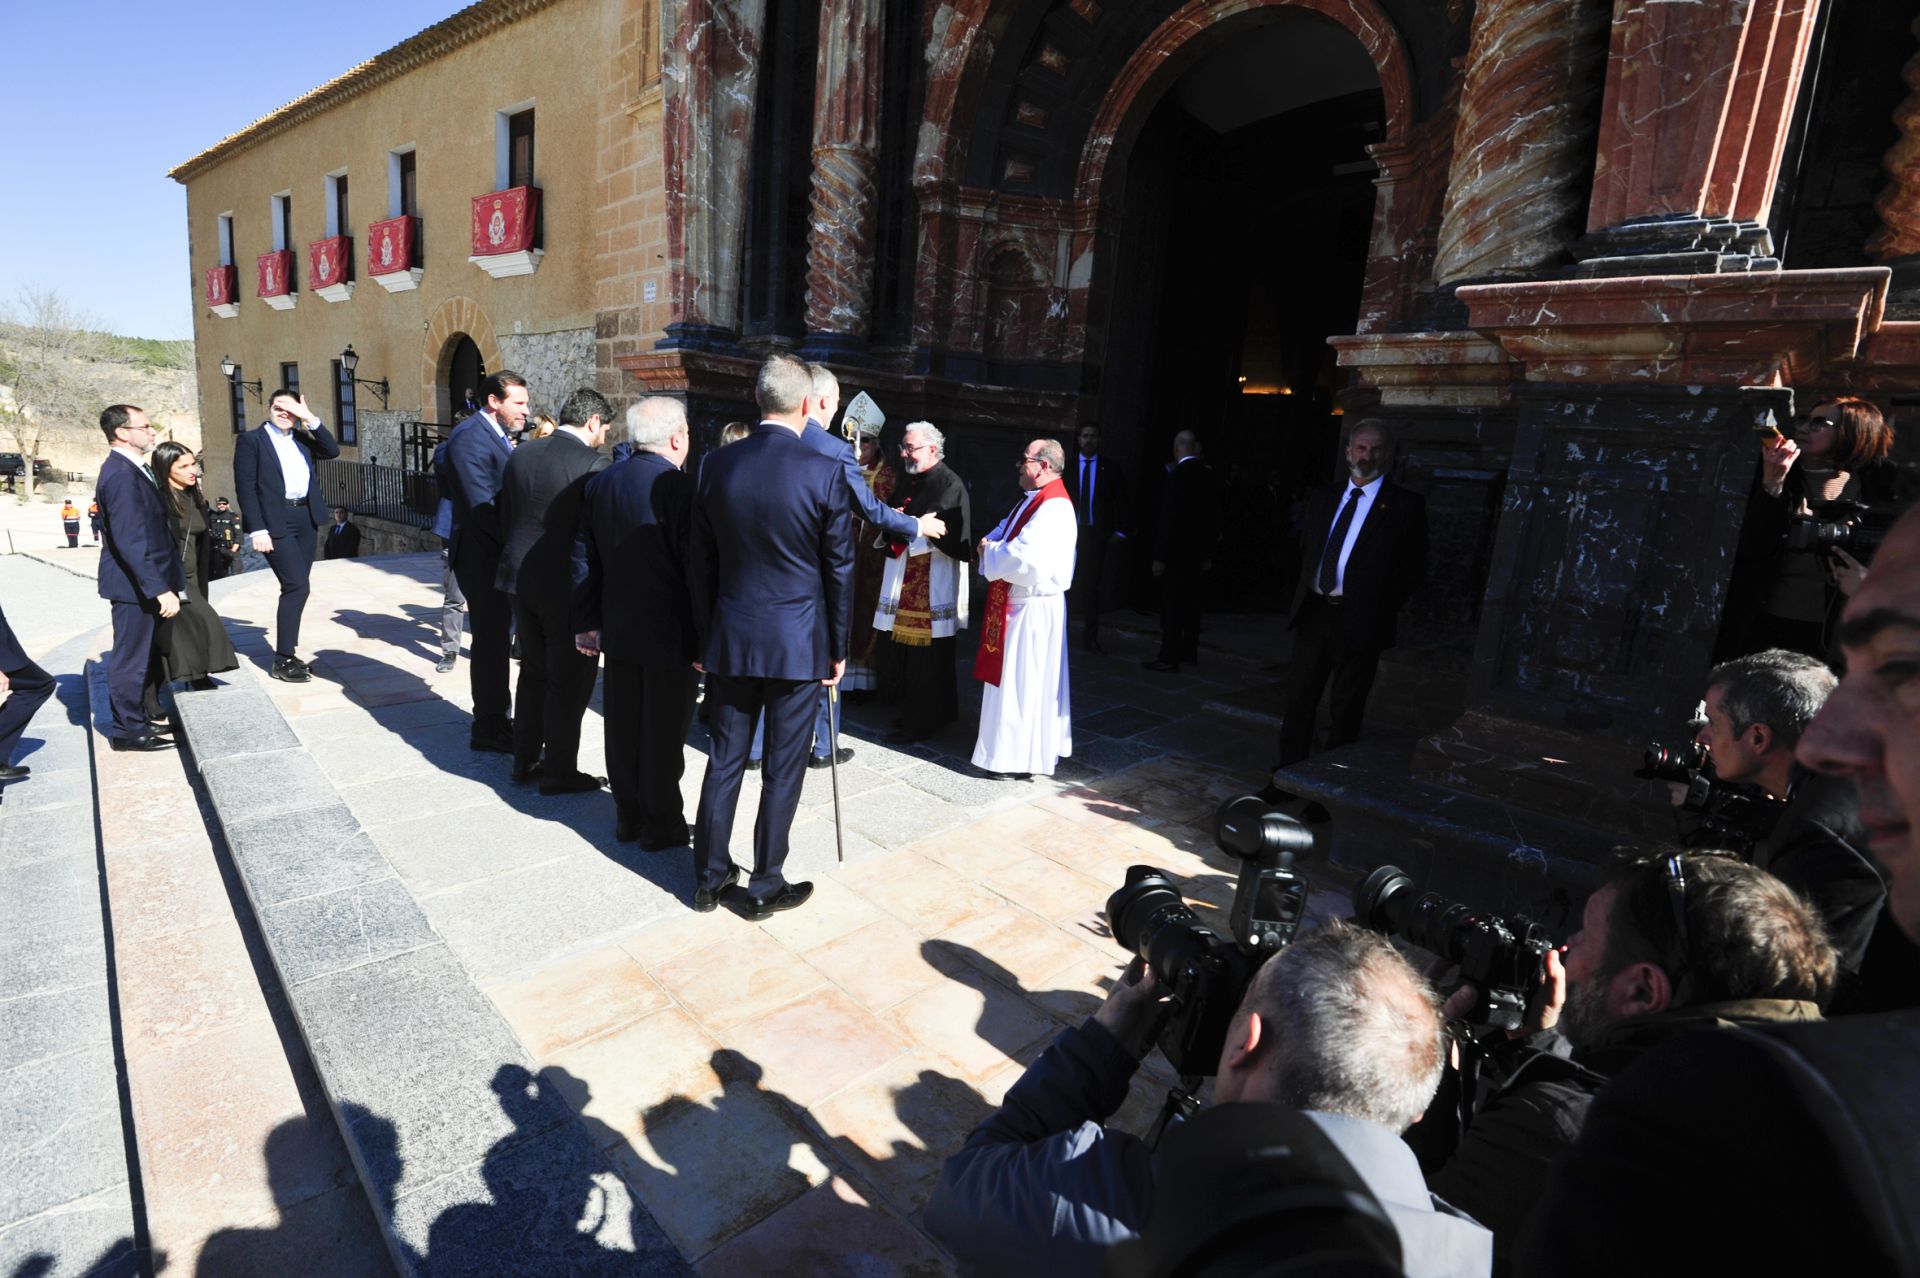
276 472
1363 553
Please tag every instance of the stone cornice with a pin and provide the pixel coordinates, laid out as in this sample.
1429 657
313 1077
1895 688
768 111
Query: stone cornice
474 22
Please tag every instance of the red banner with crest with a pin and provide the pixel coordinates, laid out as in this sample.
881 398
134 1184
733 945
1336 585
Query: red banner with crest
390 246
223 285
503 221
276 273
328 260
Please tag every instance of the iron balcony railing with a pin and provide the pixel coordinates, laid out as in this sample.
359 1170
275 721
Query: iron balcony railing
383 492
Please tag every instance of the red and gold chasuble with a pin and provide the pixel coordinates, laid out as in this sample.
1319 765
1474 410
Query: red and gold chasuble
987 662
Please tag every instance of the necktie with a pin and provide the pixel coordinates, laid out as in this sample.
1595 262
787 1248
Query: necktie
1086 491
148 472
1330 557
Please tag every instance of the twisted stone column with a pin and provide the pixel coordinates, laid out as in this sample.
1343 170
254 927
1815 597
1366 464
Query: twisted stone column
846 123
1899 204
1523 148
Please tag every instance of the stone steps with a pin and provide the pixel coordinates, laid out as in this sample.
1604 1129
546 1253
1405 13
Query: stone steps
464 1151
242 1167
66 1199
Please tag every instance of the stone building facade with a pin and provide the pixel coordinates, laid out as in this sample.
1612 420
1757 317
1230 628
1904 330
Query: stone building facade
1574 250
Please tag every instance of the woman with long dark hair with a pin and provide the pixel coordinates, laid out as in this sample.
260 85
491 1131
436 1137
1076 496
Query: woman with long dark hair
194 640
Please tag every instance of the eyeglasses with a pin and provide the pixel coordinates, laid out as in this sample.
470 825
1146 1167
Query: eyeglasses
1033 461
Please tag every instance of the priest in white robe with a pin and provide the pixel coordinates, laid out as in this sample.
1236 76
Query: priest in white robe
1026 714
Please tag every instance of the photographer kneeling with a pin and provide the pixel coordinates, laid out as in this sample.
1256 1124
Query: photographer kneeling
1667 945
1757 708
1337 1025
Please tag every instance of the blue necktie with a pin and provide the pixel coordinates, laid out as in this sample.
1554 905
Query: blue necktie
1330 556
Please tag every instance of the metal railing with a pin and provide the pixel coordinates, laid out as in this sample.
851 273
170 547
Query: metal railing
384 492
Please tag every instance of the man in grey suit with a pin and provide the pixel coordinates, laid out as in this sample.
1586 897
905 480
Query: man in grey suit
540 501
1337 1025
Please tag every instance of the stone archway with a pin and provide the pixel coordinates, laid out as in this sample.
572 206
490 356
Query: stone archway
454 319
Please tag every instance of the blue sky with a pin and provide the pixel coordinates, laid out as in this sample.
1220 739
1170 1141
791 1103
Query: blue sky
107 95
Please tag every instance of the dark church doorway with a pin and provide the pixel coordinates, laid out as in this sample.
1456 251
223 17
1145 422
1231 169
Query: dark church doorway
465 370
1243 238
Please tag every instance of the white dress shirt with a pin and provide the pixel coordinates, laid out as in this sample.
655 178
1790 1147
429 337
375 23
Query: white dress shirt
1368 491
295 470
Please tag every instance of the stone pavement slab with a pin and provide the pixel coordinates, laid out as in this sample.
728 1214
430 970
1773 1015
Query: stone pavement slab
66 1203
792 1084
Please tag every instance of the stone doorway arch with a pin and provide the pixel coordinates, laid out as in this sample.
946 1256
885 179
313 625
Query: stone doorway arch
457 329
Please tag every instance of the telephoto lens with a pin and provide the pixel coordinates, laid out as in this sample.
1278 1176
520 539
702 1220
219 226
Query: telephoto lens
1506 963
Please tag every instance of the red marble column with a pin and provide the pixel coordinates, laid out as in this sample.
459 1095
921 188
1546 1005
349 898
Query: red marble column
1524 143
1899 205
708 90
1698 101
846 122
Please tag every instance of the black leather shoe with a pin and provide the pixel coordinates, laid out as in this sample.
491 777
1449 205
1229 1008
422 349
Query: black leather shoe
1165 667
145 743
626 828
753 765
14 772
525 772
704 899
578 783
790 896
822 761
491 742
290 670
445 664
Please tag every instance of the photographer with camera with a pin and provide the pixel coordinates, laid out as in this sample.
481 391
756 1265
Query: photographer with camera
1820 501
1757 708
1337 1025
1667 945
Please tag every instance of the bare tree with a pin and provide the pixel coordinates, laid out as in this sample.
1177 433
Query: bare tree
51 352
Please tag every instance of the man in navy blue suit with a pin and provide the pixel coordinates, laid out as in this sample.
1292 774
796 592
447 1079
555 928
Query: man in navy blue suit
823 403
771 576
275 470
477 453
630 604
141 577
27 686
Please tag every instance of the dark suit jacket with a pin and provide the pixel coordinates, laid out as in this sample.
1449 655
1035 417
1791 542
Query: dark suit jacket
630 562
540 499
12 655
859 495
1388 563
1109 495
343 542
261 486
1189 517
139 559
771 563
476 464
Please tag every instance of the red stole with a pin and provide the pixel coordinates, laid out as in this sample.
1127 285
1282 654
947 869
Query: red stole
987 662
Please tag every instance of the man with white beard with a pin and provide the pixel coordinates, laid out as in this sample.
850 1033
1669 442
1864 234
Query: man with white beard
923 589
1026 714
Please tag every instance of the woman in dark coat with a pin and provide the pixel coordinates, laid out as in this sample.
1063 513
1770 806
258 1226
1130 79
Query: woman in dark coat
194 640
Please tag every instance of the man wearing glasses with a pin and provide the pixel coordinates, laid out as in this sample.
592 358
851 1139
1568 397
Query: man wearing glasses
923 588
1668 945
141 577
276 473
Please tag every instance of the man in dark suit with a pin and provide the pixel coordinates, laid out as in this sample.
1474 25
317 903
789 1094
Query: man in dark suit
477 453
1100 505
343 538
141 577
1363 554
630 604
540 499
771 575
1183 551
823 404
26 687
280 509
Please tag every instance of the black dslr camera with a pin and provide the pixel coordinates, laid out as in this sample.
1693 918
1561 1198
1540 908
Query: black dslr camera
1205 974
1732 816
1506 961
